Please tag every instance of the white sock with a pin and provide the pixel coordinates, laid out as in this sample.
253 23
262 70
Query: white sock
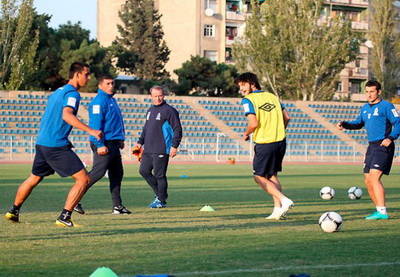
276 209
381 210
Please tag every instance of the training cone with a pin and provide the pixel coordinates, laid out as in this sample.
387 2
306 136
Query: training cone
207 208
103 272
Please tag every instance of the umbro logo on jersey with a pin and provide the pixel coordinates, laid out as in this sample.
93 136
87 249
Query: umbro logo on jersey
267 107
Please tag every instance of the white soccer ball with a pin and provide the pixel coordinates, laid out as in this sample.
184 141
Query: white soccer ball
327 193
354 193
330 222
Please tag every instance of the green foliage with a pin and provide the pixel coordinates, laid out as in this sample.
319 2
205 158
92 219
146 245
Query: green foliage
140 48
385 58
201 76
168 84
18 43
90 53
60 47
295 51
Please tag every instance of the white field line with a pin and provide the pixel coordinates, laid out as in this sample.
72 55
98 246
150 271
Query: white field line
285 268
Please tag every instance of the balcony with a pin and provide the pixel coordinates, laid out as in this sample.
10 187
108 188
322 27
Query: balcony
230 40
354 3
235 16
359 25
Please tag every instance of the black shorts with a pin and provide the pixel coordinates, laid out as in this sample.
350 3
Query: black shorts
379 157
268 158
62 160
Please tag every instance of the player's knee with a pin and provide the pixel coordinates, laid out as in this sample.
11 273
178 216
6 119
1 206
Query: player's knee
144 173
87 179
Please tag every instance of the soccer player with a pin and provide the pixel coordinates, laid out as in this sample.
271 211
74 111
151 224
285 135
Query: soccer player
161 136
53 149
382 123
105 115
267 120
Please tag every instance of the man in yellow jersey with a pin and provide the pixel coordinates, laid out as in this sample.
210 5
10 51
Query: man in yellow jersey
267 120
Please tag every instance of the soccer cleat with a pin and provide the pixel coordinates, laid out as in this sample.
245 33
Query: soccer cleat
377 216
157 204
79 209
120 210
276 216
13 217
66 223
152 202
286 205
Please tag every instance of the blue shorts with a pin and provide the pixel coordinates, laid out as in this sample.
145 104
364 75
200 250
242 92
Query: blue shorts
379 157
62 160
268 158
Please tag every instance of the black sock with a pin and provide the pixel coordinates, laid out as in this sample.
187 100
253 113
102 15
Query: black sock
65 215
15 209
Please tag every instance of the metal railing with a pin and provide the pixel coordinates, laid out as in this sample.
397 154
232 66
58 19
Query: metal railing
219 149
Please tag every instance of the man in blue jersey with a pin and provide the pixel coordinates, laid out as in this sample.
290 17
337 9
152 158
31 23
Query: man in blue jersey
161 136
105 115
53 149
382 123
267 121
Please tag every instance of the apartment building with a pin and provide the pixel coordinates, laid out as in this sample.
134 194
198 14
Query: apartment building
209 28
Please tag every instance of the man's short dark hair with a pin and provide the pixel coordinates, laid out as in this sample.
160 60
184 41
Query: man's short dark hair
248 77
77 67
103 77
373 83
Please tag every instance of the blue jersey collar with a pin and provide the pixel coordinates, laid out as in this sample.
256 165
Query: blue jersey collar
102 92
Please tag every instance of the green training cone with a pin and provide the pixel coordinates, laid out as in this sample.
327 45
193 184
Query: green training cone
103 272
207 208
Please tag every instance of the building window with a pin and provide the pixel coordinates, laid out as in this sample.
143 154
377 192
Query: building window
209 30
228 55
355 87
231 32
339 86
211 4
212 55
357 63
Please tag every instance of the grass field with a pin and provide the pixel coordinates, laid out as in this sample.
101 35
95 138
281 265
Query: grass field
235 240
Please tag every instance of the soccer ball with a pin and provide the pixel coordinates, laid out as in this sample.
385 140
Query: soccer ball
354 193
330 222
327 193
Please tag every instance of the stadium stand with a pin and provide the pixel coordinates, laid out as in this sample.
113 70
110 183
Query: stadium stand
212 128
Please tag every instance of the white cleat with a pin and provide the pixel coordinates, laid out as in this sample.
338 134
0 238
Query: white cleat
287 204
276 216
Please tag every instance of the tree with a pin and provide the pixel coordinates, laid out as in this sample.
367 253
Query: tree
60 47
17 46
296 52
141 41
200 75
91 53
385 58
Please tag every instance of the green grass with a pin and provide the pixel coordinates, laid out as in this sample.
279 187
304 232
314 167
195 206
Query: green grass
235 240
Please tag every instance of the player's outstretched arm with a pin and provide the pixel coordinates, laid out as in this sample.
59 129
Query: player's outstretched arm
69 117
